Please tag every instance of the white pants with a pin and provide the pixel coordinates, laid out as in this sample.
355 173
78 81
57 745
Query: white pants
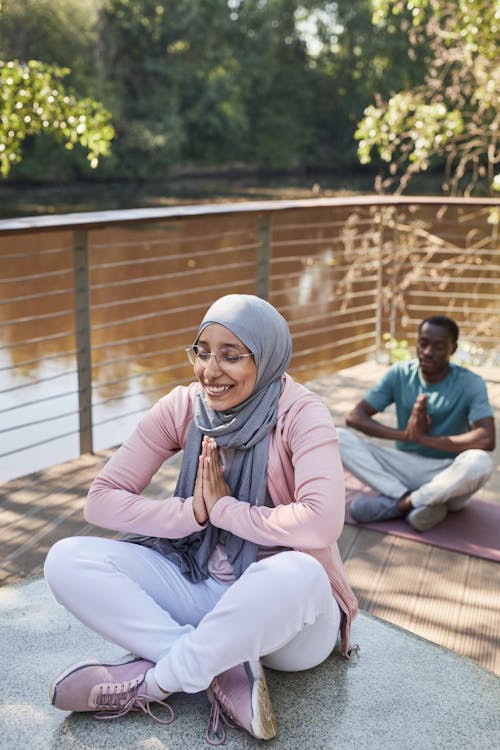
281 609
431 481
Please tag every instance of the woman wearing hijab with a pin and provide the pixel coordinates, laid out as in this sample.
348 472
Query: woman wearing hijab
240 567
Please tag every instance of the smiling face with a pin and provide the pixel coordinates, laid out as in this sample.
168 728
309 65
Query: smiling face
434 349
225 385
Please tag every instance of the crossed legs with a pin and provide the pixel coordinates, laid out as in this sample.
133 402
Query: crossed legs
431 486
281 609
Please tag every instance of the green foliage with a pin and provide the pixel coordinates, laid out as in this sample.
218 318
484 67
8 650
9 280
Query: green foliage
268 83
383 8
206 83
58 32
33 100
357 61
397 350
407 125
277 83
452 116
209 82
468 353
141 73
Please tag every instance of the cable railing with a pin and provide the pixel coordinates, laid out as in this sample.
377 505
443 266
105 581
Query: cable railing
96 308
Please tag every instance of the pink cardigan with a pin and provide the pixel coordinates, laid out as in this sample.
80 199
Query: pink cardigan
305 482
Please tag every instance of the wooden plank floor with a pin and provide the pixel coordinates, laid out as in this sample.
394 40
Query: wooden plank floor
446 597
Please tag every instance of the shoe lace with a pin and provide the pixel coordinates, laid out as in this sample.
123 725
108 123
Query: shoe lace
353 652
219 719
126 697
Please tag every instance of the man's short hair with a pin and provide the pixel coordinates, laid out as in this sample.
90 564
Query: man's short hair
442 320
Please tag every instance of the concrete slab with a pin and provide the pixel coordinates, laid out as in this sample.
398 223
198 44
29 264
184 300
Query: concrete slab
403 693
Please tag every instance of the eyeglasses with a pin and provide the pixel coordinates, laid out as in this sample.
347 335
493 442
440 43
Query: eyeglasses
225 356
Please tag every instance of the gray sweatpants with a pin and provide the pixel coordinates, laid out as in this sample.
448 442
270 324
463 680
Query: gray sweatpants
431 481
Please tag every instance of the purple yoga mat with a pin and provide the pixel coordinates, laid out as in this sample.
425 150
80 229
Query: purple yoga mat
475 530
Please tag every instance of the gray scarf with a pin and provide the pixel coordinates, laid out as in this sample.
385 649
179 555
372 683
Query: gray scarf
246 429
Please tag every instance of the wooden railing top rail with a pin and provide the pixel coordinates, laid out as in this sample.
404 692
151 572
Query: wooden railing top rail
91 219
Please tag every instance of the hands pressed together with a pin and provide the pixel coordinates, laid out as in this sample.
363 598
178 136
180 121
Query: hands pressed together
419 422
210 485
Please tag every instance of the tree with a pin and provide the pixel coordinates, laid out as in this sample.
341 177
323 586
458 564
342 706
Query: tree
206 82
207 77
354 59
452 117
277 85
141 45
58 32
33 100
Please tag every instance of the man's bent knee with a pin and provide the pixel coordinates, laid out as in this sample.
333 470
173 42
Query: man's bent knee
479 462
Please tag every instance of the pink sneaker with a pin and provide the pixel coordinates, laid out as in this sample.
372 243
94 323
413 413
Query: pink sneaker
240 694
110 689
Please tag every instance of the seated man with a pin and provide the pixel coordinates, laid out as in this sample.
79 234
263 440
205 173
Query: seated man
445 426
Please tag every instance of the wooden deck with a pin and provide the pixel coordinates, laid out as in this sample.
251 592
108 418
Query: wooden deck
449 598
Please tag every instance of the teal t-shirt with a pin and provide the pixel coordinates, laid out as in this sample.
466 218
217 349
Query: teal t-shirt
453 404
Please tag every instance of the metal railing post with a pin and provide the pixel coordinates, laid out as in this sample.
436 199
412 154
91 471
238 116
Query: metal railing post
263 257
82 335
394 276
380 302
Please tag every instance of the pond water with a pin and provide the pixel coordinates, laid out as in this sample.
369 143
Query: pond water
34 200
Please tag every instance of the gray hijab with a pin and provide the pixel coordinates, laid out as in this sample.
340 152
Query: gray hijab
246 429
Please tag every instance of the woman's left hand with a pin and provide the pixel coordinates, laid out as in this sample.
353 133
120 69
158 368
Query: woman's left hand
214 484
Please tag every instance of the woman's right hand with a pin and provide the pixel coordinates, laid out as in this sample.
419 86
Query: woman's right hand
214 484
199 507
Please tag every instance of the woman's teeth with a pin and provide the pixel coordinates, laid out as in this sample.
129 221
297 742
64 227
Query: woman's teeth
217 388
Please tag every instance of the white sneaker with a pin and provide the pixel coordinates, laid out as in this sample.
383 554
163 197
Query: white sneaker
425 517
